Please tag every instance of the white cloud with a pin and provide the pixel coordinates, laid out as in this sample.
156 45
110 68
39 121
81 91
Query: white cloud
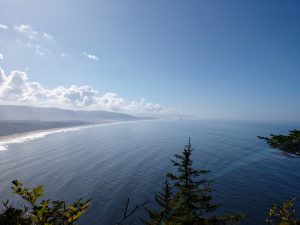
1 57
47 36
38 49
33 39
90 56
41 50
110 101
27 30
16 89
4 27
38 41
32 34
64 55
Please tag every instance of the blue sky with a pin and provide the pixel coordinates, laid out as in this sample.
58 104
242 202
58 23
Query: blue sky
210 59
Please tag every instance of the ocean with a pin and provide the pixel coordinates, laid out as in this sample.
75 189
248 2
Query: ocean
111 162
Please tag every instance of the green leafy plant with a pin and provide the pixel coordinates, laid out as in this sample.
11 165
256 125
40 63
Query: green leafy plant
284 215
44 212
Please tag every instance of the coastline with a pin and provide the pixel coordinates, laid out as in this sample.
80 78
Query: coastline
6 140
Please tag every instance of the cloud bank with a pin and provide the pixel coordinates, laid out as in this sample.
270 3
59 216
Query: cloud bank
15 88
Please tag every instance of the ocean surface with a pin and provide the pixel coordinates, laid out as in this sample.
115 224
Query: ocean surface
111 162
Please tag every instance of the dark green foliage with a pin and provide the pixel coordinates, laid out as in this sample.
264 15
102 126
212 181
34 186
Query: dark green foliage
289 144
284 215
164 200
46 212
191 202
13 216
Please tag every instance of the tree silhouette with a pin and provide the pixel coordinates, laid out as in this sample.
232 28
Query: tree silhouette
191 202
289 144
164 200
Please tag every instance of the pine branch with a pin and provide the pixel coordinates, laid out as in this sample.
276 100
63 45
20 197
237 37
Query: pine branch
127 214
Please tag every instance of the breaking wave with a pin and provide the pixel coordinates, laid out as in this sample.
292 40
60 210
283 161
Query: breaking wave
29 136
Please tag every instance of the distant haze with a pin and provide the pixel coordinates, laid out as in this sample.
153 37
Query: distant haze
8 112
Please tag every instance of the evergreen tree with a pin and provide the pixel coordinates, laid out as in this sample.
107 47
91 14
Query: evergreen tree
289 144
164 200
193 201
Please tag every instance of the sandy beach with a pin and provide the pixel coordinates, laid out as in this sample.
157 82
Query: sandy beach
37 134
6 140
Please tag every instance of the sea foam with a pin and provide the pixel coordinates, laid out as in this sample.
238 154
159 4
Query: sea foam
20 138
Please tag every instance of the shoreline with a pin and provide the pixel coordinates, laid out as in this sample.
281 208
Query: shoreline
7 137
7 140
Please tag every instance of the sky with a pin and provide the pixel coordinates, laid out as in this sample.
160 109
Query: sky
208 59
